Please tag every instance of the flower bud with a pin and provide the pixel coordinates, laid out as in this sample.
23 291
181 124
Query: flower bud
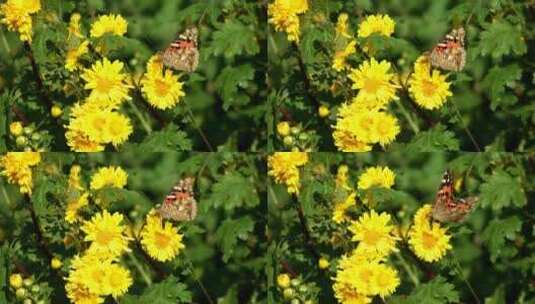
56 263
28 282
15 280
56 111
288 141
288 293
323 111
323 263
283 280
283 128
20 293
15 128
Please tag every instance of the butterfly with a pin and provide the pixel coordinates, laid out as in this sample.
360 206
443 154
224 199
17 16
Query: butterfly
447 208
180 204
183 54
450 54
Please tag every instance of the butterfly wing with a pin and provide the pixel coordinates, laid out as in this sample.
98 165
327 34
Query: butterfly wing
180 205
447 208
450 53
183 53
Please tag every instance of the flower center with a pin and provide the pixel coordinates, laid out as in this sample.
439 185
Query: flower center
372 85
161 88
371 237
428 87
103 84
103 237
429 240
162 240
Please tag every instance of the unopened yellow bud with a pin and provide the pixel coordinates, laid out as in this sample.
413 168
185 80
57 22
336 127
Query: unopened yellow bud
15 280
56 263
283 280
323 111
56 111
283 128
323 263
15 128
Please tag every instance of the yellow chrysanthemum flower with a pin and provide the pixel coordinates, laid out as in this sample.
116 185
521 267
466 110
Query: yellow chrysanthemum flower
74 26
374 234
106 234
16 15
74 178
376 177
428 87
114 24
357 127
160 239
342 27
17 167
78 141
162 88
341 177
381 24
77 293
345 141
111 176
339 60
73 206
346 294
106 82
374 82
340 208
284 16
71 62
283 167
428 240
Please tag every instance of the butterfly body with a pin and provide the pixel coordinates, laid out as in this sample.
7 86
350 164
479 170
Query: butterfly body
180 204
450 53
447 208
183 53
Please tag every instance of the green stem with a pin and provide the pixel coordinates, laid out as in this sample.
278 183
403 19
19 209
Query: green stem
142 119
406 114
408 269
142 271
6 196
199 283
198 128
4 41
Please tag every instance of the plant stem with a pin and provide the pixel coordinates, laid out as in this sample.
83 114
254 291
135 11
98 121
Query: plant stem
37 75
4 41
142 271
459 271
142 119
466 130
405 113
407 268
198 128
6 196
199 283
306 233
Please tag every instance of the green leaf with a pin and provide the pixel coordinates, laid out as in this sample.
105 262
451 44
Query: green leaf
501 38
170 139
497 232
437 291
225 42
233 190
436 139
109 196
230 232
496 81
229 82
501 190
4 258
169 291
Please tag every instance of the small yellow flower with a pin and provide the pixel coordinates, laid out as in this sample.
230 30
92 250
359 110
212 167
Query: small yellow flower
74 26
162 88
283 128
381 24
346 141
74 206
283 167
323 111
339 60
113 24
429 241
15 280
283 280
17 168
340 208
374 82
111 176
106 234
376 177
56 263
106 82
15 128
78 293
323 263
341 26
283 14
428 87
71 61
56 111
373 231
16 15
161 240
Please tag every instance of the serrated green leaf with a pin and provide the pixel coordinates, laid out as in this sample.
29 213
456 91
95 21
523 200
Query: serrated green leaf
225 42
229 82
437 291
169 291
233 190
497 232
230 232
502 190
502 38
496 81
434 140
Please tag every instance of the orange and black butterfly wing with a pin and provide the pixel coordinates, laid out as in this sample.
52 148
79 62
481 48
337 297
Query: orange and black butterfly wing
450 53
447 208
180 204
183 53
